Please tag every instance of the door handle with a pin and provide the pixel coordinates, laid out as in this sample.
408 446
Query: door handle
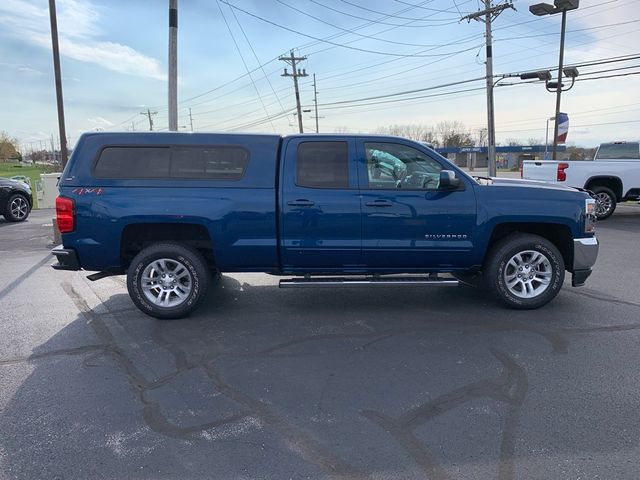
379 203
301 203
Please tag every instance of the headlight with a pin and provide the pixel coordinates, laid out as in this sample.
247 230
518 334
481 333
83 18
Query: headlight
590 215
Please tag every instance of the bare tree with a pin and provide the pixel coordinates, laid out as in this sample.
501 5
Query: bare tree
341 129
534 141
454 134
8 150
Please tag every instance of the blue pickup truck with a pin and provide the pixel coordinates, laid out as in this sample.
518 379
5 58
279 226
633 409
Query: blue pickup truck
170 209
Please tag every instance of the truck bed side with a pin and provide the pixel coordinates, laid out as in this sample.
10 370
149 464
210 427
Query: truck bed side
234 218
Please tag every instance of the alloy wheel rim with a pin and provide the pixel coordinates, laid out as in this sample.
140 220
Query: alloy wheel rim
166 282
603 203
527 274
19 208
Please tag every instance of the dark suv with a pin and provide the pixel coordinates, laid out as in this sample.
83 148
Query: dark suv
16 200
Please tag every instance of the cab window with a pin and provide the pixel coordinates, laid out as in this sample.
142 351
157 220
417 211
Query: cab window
396 166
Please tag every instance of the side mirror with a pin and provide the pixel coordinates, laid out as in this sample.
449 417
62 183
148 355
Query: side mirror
448 180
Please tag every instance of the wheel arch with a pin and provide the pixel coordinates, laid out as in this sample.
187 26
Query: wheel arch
137 236
557 233
612 182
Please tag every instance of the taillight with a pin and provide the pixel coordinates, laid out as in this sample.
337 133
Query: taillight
65 215
562 176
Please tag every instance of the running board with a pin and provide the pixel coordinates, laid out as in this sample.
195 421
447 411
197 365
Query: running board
365 282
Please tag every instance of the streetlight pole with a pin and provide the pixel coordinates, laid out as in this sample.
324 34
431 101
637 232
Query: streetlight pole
542 9
554 154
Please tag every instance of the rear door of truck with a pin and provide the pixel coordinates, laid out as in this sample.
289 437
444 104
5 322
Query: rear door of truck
320 217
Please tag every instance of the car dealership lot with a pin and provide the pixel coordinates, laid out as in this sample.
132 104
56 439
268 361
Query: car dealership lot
402 382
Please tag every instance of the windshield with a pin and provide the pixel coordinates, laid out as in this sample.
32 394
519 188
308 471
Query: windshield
618 151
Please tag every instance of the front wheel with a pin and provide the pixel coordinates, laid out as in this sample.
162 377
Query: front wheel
167 280
605 202
526 271
17 208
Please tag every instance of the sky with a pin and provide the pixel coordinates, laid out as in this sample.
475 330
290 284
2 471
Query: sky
377 63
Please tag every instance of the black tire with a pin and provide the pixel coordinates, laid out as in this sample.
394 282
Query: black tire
17 208
197 274
606 202
497 267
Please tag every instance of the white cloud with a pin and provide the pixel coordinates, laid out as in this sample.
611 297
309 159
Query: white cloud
79 35
100 121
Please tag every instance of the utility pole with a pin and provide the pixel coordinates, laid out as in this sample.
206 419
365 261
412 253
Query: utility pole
58 80
489 13
149 114
315 101
53 150
133 127
191 119
173 65
295 74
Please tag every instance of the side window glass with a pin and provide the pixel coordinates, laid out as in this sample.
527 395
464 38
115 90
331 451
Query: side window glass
396 166
133 162
178 162
216 163
322 165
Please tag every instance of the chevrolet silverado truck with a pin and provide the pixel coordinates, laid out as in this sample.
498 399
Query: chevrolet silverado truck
613 176
171 209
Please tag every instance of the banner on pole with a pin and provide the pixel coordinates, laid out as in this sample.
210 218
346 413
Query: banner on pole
563 127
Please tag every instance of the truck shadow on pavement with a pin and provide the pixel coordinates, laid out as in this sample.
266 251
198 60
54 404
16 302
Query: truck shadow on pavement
371 383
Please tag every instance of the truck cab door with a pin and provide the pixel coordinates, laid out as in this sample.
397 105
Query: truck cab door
409 222
320 219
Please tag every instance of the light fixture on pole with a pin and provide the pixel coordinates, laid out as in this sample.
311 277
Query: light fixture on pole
541 9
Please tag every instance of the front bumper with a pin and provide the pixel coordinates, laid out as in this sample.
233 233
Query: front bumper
67 259
585 253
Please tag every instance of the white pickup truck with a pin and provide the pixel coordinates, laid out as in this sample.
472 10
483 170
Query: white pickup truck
613 175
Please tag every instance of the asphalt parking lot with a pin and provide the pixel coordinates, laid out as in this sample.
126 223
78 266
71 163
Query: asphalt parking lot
332 383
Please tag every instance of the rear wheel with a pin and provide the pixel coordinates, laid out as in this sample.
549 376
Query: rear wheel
17 208
605 202
526 271
167 280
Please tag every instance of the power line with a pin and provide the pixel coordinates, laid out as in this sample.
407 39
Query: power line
568 31
380 22
255 55
325 40
246 67
412 5
350 31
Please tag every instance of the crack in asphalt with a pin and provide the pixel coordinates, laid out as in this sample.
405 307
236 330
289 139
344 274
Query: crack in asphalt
55 353
15 283
152 412
603 298
295 438
509 387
